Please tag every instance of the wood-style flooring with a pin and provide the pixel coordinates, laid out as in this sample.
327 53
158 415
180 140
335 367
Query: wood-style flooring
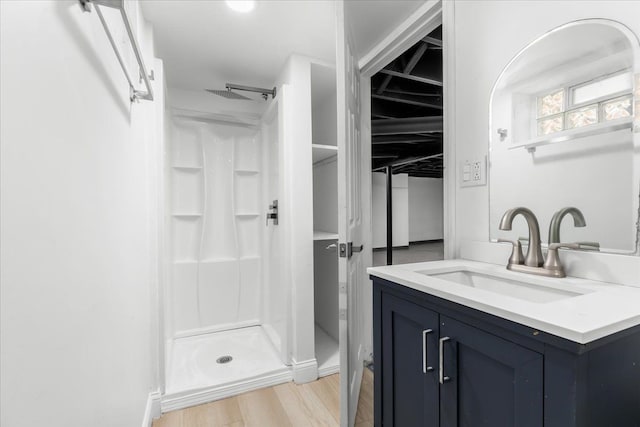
312 404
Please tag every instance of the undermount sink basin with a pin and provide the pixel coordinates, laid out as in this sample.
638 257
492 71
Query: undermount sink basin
523 290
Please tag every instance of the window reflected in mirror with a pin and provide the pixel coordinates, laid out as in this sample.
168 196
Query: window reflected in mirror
565 109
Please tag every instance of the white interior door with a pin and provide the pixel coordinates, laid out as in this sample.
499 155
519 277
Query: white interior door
350 265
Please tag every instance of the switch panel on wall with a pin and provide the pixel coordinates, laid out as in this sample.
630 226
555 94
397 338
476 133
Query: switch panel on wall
473 172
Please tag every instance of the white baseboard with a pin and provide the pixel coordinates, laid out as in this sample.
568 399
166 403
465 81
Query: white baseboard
328 370
305 371
172 402
152 409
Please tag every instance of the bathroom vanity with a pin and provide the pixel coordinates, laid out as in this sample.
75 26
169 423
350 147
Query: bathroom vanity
463 343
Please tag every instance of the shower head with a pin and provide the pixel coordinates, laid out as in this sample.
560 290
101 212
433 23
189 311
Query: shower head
226 93
232 95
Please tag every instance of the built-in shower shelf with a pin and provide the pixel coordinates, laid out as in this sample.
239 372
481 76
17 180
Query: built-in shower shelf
247 214
246 172
187 168
219 259
187 215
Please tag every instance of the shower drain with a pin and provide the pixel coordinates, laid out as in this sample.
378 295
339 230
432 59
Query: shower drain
224 359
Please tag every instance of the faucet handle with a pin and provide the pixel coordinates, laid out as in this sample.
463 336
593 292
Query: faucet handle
553 259
552 263
589 246
516 254
556 246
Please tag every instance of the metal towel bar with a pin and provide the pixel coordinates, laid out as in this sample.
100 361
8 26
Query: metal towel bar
135 94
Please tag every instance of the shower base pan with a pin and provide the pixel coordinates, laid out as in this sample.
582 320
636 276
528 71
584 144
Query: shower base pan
199 369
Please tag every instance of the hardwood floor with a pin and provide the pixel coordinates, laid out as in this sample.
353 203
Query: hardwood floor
311 404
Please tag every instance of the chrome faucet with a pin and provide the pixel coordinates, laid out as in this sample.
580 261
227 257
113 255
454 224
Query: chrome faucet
534 251
578 221
556 220
534 262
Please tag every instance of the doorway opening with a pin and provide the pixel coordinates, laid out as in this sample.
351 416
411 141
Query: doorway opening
407 155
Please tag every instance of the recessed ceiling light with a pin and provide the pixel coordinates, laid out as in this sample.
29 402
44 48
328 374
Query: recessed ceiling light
242 6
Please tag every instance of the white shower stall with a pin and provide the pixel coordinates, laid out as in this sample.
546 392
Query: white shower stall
248 303
225 321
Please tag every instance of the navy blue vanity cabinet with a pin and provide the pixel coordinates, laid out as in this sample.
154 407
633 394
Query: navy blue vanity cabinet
488 381
410 370
495 372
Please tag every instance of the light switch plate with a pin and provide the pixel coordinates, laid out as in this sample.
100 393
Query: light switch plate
473 172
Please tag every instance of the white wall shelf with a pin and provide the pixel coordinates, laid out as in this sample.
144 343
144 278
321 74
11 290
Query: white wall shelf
247 214
246 172
568 135
187 168
217 259
187 215
321 152
324 235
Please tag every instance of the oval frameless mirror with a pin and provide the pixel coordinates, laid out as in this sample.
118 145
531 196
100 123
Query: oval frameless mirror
565 132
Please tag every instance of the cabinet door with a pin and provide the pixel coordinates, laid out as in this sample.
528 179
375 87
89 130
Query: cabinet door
491 382
409 364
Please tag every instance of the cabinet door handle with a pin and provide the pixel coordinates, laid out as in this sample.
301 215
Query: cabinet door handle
443 377
425 368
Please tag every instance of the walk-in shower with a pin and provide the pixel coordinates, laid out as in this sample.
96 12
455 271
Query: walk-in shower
218 301
251 238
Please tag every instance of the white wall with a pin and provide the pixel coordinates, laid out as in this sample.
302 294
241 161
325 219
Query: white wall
276 301
325 196
296 207
425 209
325 287
323 105
77 244
325 261
400 209
481 51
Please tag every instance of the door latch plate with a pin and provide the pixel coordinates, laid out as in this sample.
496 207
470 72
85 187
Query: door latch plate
343 250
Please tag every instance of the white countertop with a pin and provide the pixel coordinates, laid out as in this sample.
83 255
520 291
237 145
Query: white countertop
601 309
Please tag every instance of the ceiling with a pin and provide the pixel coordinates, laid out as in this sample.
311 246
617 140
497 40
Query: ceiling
204 44
373 20
406 111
